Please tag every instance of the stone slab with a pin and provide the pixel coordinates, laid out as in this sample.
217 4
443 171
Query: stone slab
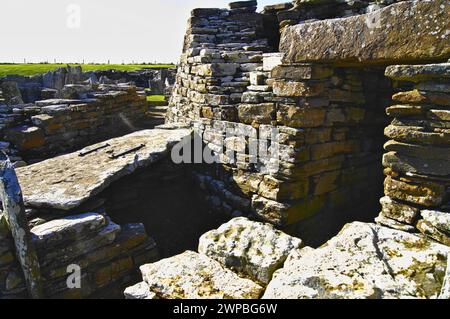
408 31
364 261
67 181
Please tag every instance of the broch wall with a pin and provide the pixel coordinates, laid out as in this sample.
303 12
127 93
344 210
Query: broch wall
337 93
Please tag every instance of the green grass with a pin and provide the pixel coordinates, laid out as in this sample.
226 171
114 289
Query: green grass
34 69
156 98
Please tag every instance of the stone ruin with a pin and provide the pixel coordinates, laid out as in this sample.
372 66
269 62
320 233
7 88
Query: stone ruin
352 201
66 109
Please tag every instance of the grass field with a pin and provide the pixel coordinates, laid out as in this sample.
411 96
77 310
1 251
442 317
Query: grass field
156 98
34 69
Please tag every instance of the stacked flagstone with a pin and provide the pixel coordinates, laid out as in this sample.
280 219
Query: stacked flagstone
105 254
55 126
417 154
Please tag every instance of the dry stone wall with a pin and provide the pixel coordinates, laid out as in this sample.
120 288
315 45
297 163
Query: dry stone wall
328 120
51 127
417 155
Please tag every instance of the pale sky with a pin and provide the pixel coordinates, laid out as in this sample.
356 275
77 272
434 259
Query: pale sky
115 30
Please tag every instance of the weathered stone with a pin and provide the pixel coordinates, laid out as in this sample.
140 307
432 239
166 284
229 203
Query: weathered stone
428 229
282 88
256 113
382 36
439 115
11 93
405 110
80 246
301 72
139 291
67 181
398 211
406 164
420 151
67 229
26 138
271 60
439 220
424 193
194 276
411 134
294 116
434 86
421 97
217 69
364 261
417 73
252 249
394 224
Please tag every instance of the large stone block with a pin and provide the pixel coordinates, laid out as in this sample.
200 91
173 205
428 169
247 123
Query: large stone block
427 194
252 249
194 276
416 73
364 261
257 113
67 229
406 31
25 137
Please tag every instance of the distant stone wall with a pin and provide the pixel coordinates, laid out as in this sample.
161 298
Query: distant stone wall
417 168
56 126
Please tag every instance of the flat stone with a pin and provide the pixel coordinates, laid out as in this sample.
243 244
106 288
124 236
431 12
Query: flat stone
412 134
422 97
66 229
271 60
67 181
364 261
383 36
419 151
79 246
398 211
286 89
440 220
194 276
416 73
429 230
406 164
427 194
301 72
139 291
406 110
263 113
254 250
394 224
